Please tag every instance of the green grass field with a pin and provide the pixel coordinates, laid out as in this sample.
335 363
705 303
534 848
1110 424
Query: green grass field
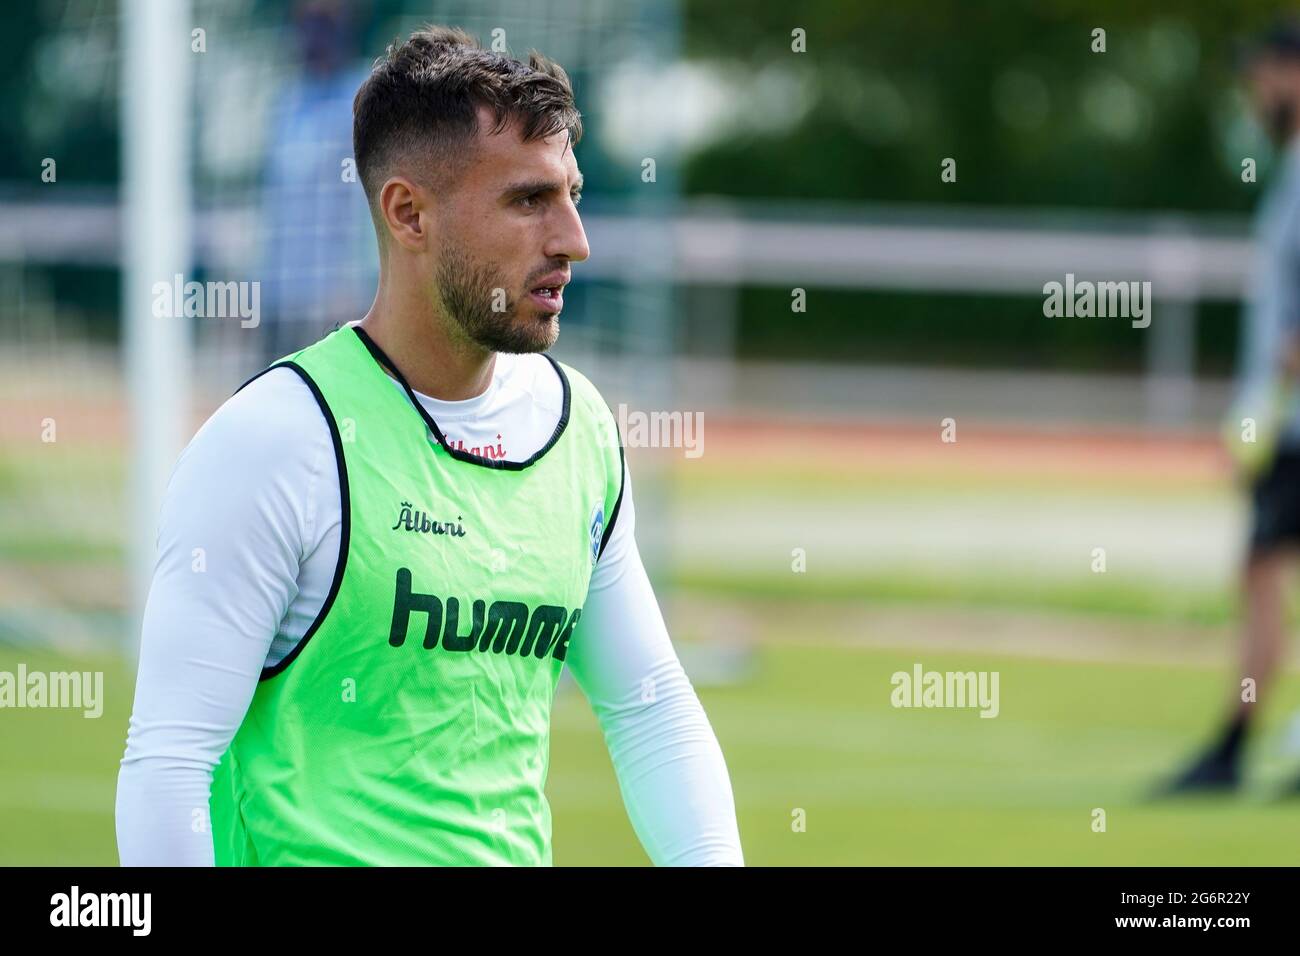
813 730
1107 681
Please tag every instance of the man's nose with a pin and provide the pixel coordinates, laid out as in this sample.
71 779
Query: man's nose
569 239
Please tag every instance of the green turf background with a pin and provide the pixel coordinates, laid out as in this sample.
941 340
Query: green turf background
813 730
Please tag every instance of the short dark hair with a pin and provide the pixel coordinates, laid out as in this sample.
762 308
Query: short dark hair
422 98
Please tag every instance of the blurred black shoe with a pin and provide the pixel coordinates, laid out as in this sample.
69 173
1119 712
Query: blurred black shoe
1213 773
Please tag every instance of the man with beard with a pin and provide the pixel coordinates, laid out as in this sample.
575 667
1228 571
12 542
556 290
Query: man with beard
1264 426
356 625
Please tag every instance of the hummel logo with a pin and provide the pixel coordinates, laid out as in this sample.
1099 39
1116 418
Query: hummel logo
410 520
503 627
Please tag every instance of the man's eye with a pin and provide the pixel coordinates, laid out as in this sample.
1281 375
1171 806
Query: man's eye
528 201
577 198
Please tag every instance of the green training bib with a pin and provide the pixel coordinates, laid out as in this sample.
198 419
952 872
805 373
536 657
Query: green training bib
411 725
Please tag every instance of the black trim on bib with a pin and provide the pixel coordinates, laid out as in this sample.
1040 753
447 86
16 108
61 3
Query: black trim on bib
618 503
345 532
378 355
622 482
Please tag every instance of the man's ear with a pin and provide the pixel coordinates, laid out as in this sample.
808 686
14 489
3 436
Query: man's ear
400 204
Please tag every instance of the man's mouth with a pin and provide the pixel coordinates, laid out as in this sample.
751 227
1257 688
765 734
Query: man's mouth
547 298
550 296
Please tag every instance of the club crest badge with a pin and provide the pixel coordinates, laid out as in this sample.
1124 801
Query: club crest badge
597 528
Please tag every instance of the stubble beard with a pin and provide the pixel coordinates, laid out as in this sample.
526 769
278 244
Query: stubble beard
469 291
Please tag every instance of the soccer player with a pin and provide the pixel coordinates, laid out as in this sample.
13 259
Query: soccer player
377 556
1271 462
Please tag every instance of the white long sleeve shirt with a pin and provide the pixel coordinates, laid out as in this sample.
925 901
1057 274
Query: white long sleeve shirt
254 502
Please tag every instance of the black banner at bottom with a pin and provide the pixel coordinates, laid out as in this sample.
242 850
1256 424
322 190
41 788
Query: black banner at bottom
333 905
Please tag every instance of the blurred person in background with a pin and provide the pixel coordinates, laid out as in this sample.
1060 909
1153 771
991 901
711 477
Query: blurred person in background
1263 430
319 265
